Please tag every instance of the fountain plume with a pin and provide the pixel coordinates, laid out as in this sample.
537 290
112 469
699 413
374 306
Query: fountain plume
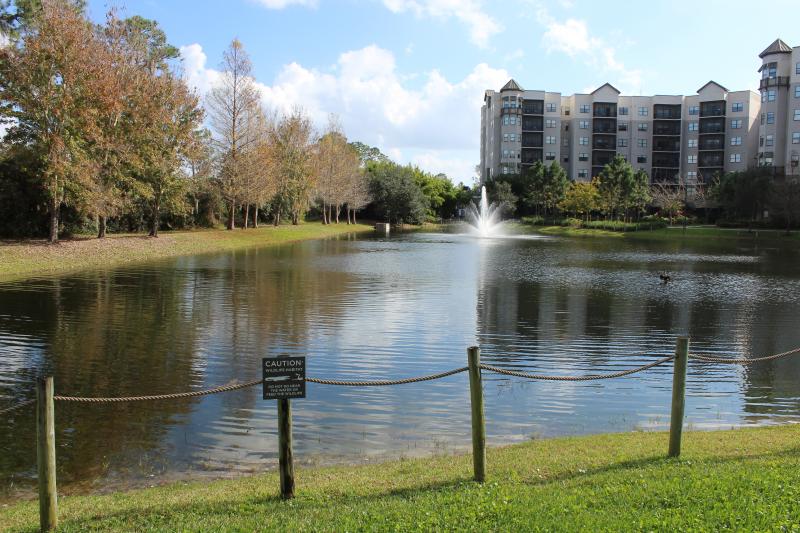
484 218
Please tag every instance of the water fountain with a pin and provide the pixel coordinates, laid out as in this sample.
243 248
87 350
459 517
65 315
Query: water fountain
484 218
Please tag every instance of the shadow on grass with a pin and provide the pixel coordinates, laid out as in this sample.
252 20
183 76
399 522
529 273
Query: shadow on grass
166 516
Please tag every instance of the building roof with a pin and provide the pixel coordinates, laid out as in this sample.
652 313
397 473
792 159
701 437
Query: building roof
712 82
511 86
777 47
607 85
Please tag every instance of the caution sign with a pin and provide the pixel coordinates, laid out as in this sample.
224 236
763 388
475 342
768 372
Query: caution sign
284 377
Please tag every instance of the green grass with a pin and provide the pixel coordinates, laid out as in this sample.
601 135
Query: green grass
675 233
746 480
22 259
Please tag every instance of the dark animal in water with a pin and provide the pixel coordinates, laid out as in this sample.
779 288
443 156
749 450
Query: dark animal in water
665 278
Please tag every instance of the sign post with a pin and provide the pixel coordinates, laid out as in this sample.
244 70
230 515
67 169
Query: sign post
284 378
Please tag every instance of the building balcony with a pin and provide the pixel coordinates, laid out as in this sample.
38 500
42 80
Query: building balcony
780 81
534 107
667 112
712 109
510 111
532 124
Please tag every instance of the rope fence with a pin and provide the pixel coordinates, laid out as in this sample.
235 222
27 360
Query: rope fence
45 398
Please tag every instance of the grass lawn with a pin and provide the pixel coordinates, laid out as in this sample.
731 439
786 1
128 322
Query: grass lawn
22 259
675 233
745 480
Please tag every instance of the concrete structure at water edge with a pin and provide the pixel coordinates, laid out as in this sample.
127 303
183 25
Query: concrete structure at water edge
671 137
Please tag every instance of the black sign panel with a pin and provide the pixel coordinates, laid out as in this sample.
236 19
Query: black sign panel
284 377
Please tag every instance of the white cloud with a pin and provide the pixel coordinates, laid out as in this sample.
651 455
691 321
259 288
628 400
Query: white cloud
281 4
468 12
573 38
435 124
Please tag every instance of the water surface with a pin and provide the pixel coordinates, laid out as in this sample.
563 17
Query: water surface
383 308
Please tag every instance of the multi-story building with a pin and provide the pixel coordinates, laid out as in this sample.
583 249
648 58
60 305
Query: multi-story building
671 137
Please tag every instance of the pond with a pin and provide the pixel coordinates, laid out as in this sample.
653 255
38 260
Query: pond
369 307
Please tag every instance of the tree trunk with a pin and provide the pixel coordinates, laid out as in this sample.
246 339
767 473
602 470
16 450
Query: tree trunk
101 227
246 215
354 216
295 218
324 213
255 218
156 217
338 208
55 207
276 219
232 216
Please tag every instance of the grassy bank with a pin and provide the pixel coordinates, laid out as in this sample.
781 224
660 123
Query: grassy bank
22 259
672 233
739 480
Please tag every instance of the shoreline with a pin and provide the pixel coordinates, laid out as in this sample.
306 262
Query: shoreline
608 481
23 259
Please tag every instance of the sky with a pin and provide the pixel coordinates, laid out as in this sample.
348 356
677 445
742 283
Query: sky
408 76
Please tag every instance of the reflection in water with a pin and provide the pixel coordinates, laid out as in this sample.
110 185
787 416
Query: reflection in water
385 308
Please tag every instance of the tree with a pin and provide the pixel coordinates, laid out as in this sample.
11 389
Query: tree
581 198
616 183
743 195
638 196
50 90
396 197
369 153
669 198
504 197
785 200
234 112
555 187
291 146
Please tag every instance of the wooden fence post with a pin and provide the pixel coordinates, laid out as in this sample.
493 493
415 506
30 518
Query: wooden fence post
478 423
285 457
46 454
678 396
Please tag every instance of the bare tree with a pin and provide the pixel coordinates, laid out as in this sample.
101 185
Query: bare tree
670 198
291 146
234 108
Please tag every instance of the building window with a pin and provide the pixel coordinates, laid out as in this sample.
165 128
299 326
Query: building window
796 138
550 156
505 120
694 110
736 124
505 137
797 114
736 158
642 143
643 126
513 120
550 107
692 143
622 142
797 68
583 124
622 110
691 175
770 140
770 117
770 95
550 123
736 141
622 126
583 173
505 153
566 111
642 111
584 141
761 141
762 118
691 159
585 108
550 140
737 106
797 91
770 70
583 157
694 126
641 159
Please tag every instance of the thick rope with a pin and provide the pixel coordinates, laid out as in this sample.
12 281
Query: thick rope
386 382
590 377
217 390
744 361
15 407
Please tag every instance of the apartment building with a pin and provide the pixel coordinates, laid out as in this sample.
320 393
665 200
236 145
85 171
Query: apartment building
671 137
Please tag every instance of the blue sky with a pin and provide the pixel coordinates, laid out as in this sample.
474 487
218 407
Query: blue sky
408 75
